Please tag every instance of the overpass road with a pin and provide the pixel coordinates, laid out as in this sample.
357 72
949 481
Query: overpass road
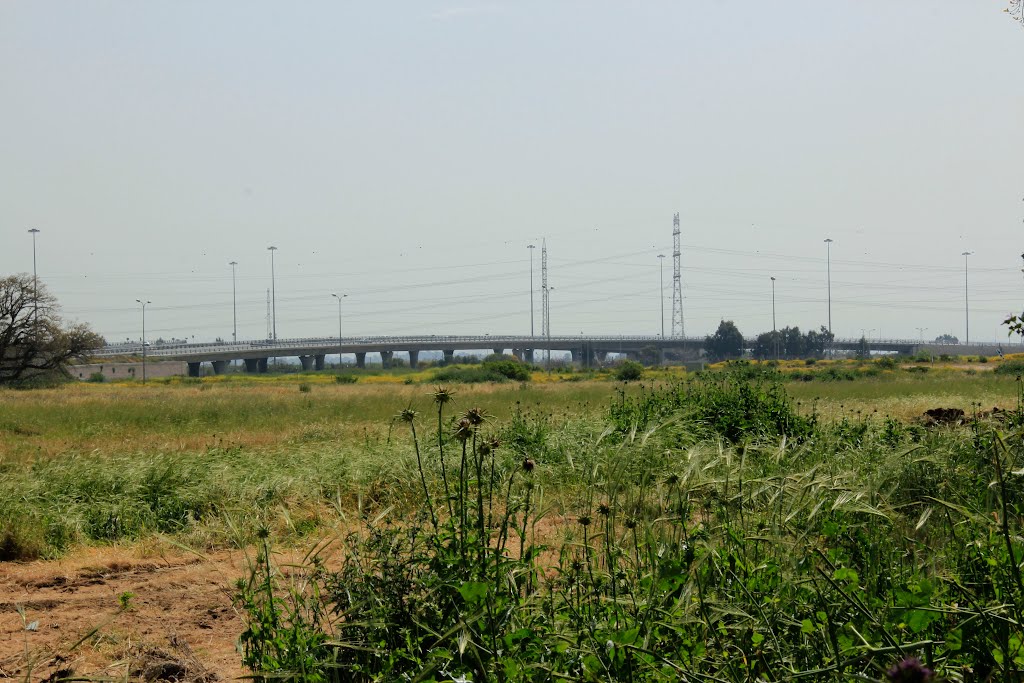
585 349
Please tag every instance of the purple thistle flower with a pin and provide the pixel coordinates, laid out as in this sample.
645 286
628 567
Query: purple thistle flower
910 670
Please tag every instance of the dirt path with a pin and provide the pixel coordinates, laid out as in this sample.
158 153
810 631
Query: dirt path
180 624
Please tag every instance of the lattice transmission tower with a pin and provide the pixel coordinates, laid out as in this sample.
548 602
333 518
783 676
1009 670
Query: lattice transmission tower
678 330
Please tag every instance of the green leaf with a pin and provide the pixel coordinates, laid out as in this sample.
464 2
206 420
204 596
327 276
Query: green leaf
757 638
955 640
807 626
474 591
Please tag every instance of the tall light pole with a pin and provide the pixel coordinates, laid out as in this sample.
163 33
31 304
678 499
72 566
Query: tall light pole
661 292
234 304
531 247
273 294
35 281
828 270
548 327
774 329
967 310
143 337
339 297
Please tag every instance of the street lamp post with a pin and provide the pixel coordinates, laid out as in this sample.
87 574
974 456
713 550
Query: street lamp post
775 336
531 247
234 304
828 268
143 337
661 291
35 281
273 294
339 297
548 329
967 311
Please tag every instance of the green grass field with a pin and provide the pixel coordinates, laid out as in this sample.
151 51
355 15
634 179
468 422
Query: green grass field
731 526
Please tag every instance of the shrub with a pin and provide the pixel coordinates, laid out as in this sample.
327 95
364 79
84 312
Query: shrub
629 370
886 362
508 367
345 379
305 388
1010 367
97 377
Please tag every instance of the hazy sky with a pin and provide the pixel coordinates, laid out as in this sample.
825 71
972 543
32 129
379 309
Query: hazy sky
405 153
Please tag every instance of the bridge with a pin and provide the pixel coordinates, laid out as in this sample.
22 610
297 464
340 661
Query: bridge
586 350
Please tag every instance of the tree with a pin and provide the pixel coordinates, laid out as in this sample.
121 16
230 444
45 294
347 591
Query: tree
726 342
946 339
815 343
33 338
768 345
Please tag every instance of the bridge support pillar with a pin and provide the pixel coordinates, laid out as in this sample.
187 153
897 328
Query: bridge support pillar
219 366
414 359
261 364
449 356
195 369
518 353
600 356
385 358
252 364
307 362
498 352
360 359
318 361
529 355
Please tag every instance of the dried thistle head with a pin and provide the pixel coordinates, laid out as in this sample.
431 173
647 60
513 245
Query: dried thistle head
443 395
407 415
528 465
463 430
603 509
476 416
584 520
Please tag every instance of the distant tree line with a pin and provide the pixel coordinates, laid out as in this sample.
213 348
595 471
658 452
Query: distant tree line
789 342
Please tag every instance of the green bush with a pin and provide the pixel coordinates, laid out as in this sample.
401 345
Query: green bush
343 378
97 377
1010 367
629 370
886 363
508 367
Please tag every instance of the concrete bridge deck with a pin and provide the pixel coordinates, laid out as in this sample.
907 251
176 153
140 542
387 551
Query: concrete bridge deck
585 349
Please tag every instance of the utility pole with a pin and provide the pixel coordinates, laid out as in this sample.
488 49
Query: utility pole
273 291
35 280
920 333
270 329
661 290
773 304
678 329
339 298
967 312
545 321
531 247
828 270
143 337
234 304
